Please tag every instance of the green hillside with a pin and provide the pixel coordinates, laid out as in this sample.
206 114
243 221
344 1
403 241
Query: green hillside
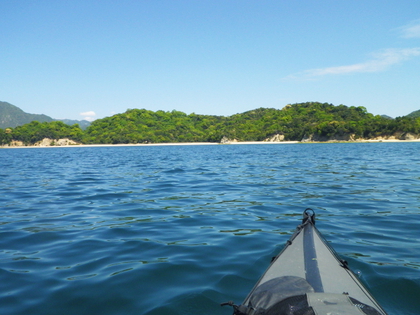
293 121
414 114
36 131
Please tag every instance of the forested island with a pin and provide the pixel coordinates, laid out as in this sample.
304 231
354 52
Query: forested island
310 121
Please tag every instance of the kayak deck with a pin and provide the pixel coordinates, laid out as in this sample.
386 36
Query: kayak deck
307 277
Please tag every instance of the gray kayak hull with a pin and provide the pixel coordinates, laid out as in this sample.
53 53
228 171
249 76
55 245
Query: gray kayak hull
308 277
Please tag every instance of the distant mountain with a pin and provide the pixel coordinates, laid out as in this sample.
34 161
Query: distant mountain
387 117
414 114
12 116
82 123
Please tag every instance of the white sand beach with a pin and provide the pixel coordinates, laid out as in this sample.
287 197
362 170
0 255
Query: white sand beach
202 143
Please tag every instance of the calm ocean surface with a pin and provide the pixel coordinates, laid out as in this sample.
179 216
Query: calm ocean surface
180 229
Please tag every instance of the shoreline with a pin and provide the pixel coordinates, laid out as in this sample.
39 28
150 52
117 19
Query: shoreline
203 143
145 144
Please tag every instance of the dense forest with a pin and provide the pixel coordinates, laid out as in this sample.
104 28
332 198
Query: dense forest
320 121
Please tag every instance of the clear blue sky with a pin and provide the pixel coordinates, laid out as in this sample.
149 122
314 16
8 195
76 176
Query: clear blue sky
95 58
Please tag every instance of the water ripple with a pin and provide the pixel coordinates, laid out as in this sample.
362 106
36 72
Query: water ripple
177 230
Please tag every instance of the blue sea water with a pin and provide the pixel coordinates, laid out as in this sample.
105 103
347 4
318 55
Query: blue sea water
180 229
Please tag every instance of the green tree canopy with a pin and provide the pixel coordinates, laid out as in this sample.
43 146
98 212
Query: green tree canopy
294 122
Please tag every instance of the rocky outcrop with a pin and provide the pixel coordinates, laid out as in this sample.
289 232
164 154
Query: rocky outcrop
15 143
226 140
275 138
409 136
396 136
335 138
352 137
46 142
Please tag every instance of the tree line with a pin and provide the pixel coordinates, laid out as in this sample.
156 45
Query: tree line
294 122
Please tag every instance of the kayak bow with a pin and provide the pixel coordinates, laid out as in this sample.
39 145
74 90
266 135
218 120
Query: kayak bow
308 278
